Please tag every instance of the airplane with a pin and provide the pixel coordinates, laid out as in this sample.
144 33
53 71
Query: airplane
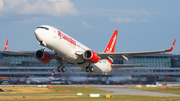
119 79
66 49
37 80
75 79
83 79
92 79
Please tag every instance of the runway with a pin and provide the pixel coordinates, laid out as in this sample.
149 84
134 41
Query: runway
124 90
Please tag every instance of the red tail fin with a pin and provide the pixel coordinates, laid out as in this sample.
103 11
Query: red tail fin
5 47
52 75
112 43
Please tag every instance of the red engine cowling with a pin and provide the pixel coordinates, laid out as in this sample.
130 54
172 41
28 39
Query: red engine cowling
42 56
91 56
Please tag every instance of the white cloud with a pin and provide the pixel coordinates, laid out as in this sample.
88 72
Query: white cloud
119 12
46 7
86 25
120 20
127 20
1 4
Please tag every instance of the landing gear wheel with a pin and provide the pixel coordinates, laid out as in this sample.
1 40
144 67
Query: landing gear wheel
91 69
87 69
63 69
59 68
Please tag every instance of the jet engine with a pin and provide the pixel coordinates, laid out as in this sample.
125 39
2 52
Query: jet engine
91 56
42 56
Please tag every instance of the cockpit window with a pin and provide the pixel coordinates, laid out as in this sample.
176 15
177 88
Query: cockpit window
44 28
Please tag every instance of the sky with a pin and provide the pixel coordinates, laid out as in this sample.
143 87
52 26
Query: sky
143 25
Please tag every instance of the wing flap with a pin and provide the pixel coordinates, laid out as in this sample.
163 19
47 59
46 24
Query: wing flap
22 53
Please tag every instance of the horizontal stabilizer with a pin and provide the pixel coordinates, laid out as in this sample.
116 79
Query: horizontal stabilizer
126 65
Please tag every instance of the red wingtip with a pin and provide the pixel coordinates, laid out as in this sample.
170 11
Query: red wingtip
171 46
5 48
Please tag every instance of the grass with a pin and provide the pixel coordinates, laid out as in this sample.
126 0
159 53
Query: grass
86 98
173 90
74 90
24 89
53 90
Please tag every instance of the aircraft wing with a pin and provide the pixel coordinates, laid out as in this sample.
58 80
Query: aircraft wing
51 54
126 65
25 53
126 55
22 53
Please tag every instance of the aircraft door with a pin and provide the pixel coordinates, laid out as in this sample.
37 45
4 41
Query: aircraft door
55 35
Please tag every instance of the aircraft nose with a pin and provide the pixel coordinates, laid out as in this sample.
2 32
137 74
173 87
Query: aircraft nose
37 34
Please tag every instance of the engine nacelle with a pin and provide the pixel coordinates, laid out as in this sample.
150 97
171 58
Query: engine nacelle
42 56
91 56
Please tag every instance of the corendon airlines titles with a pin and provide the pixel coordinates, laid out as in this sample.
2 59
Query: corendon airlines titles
66 38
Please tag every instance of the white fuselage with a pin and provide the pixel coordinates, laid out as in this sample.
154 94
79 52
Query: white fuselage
119 79
82 79
68 48
39 80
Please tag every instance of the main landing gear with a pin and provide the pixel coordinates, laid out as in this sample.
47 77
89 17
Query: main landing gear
89 69
61 68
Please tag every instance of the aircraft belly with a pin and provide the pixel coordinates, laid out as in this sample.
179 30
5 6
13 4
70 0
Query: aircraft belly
99 67
73 58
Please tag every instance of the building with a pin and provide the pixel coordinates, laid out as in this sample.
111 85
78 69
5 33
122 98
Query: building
160 65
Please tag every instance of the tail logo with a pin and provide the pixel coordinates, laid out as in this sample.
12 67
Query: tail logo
52 75
130 73
112 45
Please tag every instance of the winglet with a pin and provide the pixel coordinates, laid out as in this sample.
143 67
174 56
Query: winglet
169 50
5 48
